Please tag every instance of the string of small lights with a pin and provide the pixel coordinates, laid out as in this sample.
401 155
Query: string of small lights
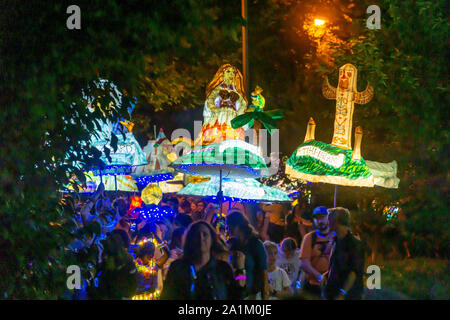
112 170
145 180
148 296
153 212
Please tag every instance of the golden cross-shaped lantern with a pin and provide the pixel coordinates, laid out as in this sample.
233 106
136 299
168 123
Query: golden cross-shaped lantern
346 96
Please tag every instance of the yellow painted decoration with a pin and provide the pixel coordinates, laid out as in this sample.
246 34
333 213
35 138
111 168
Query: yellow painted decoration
128 124
152 194
225 99
148 296
172 156
346 96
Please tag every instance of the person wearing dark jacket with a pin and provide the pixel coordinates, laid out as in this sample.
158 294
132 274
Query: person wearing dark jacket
247 241
345 275
199 275
117 277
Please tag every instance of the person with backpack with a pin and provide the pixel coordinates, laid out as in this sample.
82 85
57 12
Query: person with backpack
315 252
345 277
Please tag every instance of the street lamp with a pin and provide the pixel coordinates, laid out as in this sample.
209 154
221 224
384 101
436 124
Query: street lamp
319 22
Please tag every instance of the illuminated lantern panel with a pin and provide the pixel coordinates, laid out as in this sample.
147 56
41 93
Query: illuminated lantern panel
152 194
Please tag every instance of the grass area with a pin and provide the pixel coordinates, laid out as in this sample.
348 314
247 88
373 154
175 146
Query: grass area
418 278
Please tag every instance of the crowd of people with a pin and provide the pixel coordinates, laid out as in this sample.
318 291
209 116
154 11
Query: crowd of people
201 252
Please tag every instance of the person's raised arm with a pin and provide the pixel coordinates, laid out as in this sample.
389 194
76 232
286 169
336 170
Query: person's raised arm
85 210
210 211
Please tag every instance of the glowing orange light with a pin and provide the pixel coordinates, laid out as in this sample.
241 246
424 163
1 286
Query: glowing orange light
136 201
319 22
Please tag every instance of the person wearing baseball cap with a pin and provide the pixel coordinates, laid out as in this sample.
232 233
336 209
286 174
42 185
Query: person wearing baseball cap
315 251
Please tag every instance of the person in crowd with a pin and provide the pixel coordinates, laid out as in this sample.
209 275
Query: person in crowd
124 224
121 205
193 207
297 223
182 220
288 260
275 212
175 247
173 204
163 229
147 271
201 205
117 276
105 216
345 276
210 213
85 210
262 223
199 212
177 239
255 255
278 278
154 231
185 208
315 252
199 275
181 201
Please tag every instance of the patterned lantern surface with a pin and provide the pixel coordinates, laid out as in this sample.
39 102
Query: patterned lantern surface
236 189
338 163
152 194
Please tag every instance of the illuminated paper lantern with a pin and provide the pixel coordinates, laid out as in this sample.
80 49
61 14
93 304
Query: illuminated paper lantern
136 202
337 163
152 194
219 147
128 150
225 99
236 159
124 183
236 190
256 114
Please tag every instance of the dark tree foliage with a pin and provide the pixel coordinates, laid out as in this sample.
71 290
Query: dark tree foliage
43 69
406 62
163 53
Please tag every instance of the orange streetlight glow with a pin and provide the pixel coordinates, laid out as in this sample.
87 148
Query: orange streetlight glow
319 22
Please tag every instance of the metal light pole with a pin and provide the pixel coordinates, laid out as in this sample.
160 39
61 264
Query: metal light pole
245 45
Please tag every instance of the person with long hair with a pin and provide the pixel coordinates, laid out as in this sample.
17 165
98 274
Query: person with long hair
225 99
151 231
251 246
147 270
116 276
198 275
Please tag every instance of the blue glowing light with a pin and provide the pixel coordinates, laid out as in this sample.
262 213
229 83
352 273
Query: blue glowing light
145 180
112 170
216 199
154 212
330 237
212 169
